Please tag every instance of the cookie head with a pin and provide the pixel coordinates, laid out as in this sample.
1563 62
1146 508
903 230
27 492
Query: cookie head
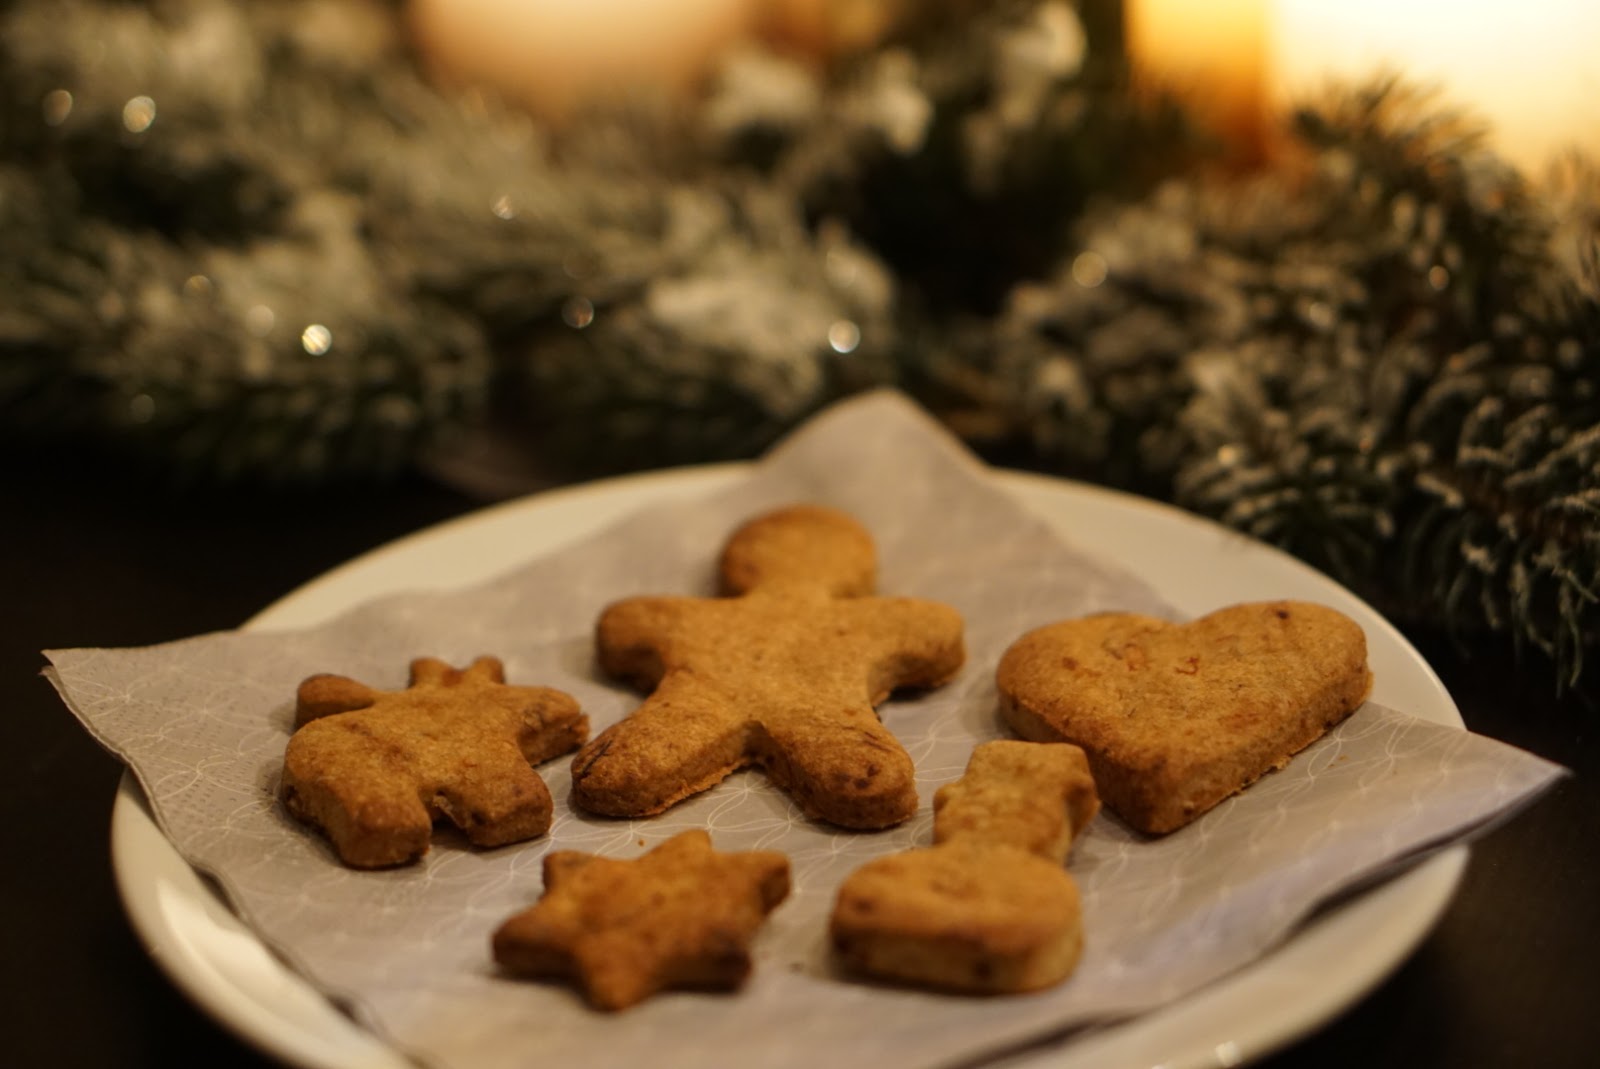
374 769
806 546
1176 717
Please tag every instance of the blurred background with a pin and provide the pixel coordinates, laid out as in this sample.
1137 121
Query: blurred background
1323 272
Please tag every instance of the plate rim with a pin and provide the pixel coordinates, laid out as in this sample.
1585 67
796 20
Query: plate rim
1412 902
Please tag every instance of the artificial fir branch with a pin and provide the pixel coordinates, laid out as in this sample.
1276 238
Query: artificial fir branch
1377 362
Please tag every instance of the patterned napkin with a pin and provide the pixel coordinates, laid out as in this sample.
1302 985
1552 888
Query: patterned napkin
203 722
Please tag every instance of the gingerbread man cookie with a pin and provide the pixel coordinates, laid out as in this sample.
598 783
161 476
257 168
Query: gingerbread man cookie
372 769
784 675
1177 717
988 909
681 916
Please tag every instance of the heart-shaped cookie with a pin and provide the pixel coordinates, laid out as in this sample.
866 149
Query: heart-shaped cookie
1176 717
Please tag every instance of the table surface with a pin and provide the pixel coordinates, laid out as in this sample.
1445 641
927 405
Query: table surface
94 556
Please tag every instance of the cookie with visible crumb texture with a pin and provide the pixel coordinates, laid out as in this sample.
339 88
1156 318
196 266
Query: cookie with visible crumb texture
988 909
1037 798
1175 718
374 769
963 916
783 675
681 916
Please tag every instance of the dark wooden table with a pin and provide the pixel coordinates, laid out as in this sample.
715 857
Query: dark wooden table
92 556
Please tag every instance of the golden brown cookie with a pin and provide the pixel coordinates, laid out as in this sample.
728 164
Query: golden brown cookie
680 916
1036 798
1177 717
989 908
783 675
373 769
962 917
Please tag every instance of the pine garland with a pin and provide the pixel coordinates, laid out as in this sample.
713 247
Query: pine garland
1378 363
253 243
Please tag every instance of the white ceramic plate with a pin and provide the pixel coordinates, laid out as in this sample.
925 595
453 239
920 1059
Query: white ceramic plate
1197 565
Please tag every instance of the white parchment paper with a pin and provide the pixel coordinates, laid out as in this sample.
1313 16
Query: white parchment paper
203 722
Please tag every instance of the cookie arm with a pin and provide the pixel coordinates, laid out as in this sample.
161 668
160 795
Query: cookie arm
629 638
916 643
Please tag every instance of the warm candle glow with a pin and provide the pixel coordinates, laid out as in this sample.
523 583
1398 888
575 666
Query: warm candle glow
1531 68
1212 54
825 28
551 55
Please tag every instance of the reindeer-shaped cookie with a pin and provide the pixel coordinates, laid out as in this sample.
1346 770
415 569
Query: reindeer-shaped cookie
373 768
783 675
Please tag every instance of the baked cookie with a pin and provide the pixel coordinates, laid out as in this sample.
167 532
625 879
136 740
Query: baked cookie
988 909
373 769
1177 717
783 675
680 916
1036 798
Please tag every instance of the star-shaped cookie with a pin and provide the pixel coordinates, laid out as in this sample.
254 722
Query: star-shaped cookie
784 675
680 916
374 768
